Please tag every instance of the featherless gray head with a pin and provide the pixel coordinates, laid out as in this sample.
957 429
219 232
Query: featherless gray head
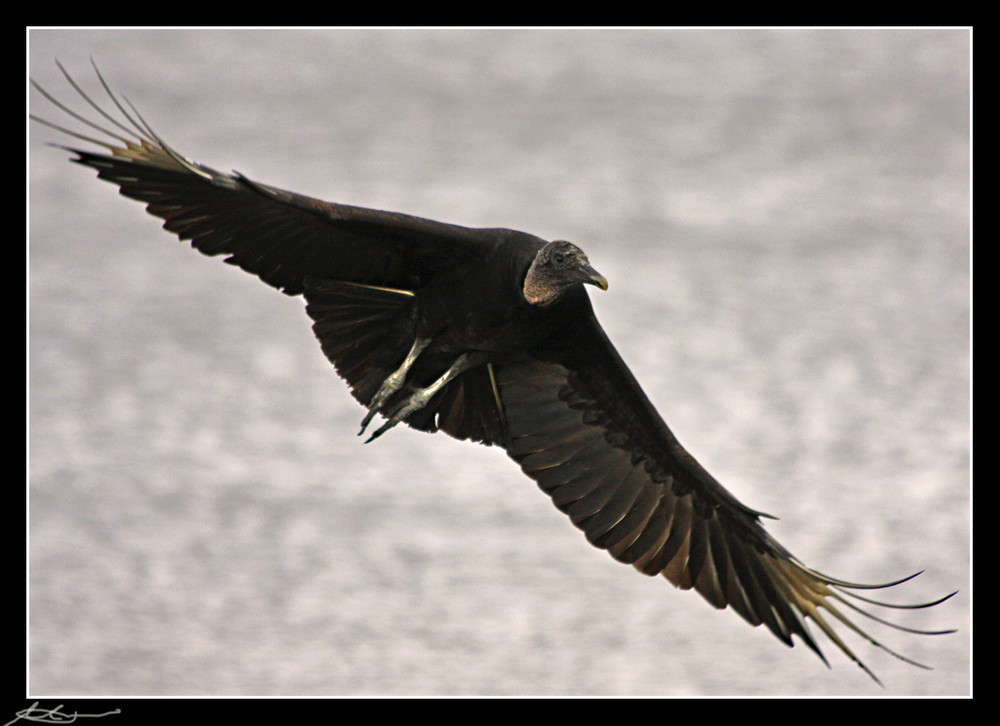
558 266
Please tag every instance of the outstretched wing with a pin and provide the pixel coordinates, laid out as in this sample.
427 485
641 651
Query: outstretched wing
581 427
280 236
358 267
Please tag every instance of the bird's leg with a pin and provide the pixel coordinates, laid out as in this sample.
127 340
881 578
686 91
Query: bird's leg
421 397
393 382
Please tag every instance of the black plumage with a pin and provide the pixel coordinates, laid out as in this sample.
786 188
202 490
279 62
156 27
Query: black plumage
487 335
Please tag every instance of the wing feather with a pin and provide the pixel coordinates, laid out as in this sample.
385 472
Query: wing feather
280 236
581 427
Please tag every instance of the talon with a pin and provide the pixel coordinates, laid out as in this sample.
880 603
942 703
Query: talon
367 420
381 430
414 403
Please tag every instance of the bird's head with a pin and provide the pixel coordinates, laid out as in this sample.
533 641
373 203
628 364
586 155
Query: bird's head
557 267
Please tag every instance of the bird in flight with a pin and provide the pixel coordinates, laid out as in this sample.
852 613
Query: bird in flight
487 335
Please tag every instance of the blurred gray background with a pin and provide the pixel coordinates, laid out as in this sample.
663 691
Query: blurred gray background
783 216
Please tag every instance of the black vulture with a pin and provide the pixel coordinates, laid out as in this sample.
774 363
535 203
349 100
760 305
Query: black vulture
487 335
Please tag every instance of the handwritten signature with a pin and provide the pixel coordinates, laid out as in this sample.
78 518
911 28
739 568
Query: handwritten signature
54 715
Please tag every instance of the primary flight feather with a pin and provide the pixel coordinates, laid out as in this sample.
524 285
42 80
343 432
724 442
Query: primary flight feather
487 335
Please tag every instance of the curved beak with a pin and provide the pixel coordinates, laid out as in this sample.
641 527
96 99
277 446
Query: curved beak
593 277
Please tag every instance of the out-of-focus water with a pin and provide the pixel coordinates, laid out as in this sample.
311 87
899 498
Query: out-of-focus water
784 219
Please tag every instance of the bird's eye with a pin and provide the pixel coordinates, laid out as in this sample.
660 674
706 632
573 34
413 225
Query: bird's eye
559 258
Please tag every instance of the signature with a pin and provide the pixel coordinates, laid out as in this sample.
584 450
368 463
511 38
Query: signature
54 715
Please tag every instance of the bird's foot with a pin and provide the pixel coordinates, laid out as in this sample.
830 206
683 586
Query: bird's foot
393 382
389 386
423 396
411 405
